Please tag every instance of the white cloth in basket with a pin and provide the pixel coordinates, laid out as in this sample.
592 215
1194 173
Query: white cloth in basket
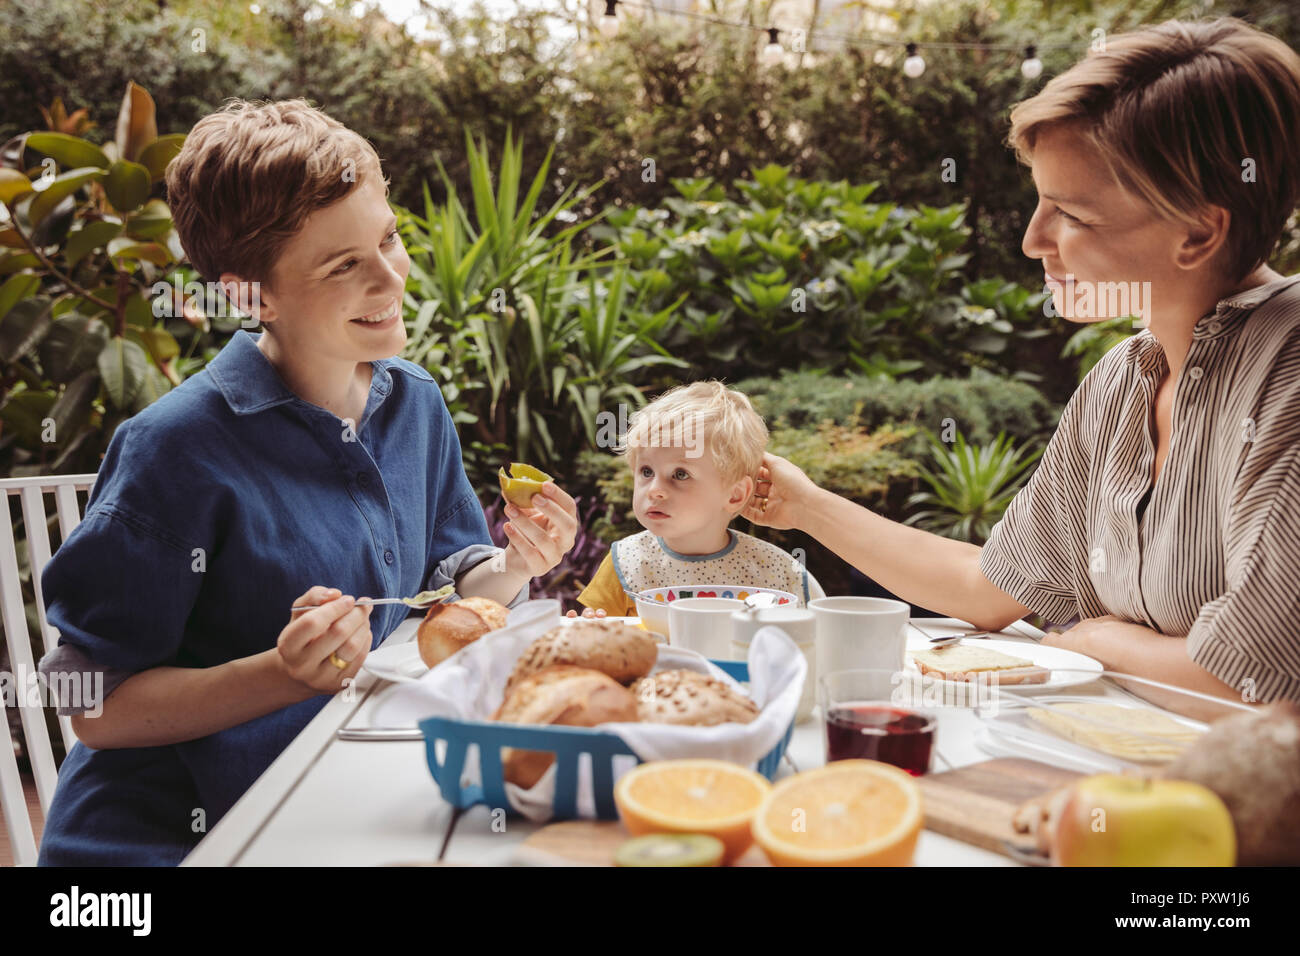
469 685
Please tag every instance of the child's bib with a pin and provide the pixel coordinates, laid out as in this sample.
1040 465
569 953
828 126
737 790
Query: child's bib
643 561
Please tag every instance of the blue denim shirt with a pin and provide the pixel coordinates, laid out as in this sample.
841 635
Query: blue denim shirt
214 509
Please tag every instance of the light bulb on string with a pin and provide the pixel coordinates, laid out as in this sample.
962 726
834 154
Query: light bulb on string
913 66
608 24
773 53
1032 68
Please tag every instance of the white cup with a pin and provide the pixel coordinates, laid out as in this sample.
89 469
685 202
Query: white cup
859 632
801 626
702 625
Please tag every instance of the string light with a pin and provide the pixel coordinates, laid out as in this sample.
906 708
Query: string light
913 66
1032 68
609 22
773 52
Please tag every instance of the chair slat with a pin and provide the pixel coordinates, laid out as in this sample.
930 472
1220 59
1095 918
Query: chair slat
65 501
38 551
13 802
20 659
31 493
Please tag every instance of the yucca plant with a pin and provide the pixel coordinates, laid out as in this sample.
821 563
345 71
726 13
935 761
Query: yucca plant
970 486
528 343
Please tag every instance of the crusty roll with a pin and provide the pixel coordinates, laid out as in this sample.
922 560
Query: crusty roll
620 650
688 697
449 627
560 694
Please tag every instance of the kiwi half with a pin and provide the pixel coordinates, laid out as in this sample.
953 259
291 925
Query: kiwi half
671 849
521 484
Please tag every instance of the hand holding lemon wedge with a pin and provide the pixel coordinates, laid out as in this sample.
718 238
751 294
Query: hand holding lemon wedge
543 520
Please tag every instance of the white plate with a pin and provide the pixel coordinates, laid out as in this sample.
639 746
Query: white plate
402 662
1075 669
1011 729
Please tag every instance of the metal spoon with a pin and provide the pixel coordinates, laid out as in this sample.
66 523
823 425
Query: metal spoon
421 601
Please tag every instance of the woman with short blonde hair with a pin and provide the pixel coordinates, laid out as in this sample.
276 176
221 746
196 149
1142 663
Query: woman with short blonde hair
1163 514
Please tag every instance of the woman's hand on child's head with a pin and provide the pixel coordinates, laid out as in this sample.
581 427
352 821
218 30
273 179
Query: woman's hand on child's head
542 536
588 613
781 492
317 640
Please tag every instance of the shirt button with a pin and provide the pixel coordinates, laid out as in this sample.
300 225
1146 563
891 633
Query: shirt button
388 557
1195 372
363 478
1215 327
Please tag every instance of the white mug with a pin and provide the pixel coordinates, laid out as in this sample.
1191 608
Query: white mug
702 625
859 632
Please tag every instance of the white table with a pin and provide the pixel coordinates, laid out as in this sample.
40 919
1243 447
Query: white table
332 802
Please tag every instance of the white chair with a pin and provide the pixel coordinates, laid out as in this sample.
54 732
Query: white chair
31 492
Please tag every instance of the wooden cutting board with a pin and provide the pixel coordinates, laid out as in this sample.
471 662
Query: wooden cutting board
975 803
590 843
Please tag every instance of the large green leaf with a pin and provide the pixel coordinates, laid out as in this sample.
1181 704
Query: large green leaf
62 187
24 413
91 236
24 327
150 222
123 248
70 152
127 185
74 406
17 287
123 366
159 153
17 262
72 346
13 184
153 387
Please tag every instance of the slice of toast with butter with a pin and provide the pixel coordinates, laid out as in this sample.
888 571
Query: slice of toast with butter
962 662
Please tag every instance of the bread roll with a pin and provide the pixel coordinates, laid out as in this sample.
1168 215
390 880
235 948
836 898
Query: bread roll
962 662
688 697
449 627
560 694
620 650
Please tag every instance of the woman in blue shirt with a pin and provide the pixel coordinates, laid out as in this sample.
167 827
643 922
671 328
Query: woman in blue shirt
303 465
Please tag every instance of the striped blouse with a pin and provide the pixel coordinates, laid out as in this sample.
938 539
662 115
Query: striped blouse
1215 554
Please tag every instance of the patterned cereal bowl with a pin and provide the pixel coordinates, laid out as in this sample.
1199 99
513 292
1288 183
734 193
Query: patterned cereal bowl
652 606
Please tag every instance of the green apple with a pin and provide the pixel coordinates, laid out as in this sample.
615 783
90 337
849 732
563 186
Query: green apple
1113 820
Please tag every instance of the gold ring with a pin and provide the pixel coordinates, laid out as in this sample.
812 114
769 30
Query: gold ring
338 662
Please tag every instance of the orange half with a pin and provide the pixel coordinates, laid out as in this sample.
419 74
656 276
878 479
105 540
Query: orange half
713 797
848 813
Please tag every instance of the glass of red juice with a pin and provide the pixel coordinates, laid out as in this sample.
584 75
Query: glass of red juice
867 716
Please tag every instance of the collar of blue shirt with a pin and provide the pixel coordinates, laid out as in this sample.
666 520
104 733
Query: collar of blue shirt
249 382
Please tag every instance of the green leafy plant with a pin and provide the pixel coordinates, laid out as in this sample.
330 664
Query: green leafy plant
531 343
970 486
84 341
810 272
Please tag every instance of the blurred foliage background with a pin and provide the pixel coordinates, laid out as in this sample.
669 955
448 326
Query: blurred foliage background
796 236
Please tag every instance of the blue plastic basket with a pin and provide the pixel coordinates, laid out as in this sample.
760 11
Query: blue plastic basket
568 744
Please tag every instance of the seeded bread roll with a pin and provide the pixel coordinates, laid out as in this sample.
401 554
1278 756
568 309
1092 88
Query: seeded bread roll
449 627
611 647
688 697
565 695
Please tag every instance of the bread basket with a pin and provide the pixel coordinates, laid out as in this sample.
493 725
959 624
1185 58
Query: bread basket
448 744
